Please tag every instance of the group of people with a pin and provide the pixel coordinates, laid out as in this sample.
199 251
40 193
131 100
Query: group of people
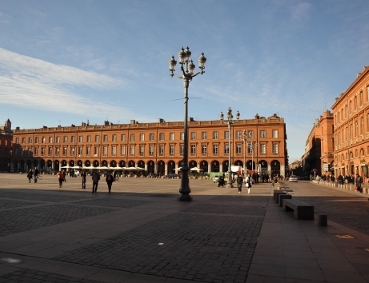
109 178
248 182
357 180
32 175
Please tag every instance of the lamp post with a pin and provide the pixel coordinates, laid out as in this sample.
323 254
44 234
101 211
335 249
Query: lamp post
230 121
244 151
187 68
251 146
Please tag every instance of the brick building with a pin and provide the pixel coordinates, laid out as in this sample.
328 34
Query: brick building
156 147
351 123
319 146
5 146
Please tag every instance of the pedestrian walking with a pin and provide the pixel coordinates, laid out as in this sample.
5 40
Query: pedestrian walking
248 183
36 174
60 178
83 178
95 181
29 175
239 183
359 181
109 180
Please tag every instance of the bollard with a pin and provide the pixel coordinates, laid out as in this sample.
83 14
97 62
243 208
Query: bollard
322 220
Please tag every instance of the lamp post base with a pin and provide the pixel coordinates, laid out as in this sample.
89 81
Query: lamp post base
184 197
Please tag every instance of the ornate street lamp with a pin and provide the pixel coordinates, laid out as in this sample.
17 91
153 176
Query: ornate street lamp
187 67
230 121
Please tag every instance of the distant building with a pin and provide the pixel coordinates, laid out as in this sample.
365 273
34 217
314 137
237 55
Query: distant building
351 123
318 157
5 146
156 147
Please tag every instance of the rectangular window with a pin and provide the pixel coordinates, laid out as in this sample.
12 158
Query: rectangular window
122 150
65 139
262 149
105 150
88 150
80 150
43 140
262 134
215 135
151 137
275 148
203 135
193 135
64 150
193 149
132 150
105 138
30 139
132 137
57 150
88 138
50 152
97 138
215 149
142 137
161 150
161 136
171 150
73 139
181 149
142 150
226 148
171 136
238 148
251 134
113 150
96 151
80 139
151 150
114 138
72 150
17 140
36 141
123 137
203 149
238 135
275 134
42 151
181 136
226 135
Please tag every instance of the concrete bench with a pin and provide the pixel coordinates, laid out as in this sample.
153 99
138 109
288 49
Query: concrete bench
282 197
301 210
276 193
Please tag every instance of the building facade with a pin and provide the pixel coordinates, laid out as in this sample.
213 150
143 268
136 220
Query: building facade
351 123
319 149
5 146
156 147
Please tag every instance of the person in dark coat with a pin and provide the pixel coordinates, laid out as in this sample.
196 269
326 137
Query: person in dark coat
95 181
29 175
83 178
239 183
36 174
109 180
359 182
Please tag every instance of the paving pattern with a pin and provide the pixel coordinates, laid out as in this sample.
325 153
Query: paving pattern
25 219
209 248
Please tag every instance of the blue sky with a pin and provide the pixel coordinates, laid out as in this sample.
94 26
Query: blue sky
71 61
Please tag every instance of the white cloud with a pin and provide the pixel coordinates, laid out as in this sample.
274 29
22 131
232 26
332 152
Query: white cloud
36 84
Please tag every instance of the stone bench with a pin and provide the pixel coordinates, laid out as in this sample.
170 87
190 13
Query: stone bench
276 193
282 197
301 210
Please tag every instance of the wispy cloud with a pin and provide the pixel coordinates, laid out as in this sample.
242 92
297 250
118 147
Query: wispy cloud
36 84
